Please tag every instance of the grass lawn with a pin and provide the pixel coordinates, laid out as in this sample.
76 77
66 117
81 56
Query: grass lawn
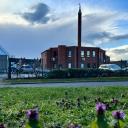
59 106
100 79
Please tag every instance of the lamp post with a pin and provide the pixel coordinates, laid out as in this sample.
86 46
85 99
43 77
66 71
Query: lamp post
9 68
121 63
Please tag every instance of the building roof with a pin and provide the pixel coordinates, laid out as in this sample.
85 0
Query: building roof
73 46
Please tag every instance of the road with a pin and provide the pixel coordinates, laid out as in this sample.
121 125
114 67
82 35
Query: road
79 84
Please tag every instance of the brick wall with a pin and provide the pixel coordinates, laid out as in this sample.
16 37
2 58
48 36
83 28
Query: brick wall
56 58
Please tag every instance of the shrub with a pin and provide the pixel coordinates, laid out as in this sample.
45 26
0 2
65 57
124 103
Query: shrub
57 74
84 73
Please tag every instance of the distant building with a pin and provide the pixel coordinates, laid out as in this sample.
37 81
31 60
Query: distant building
23 61
121 63
63 56
3 60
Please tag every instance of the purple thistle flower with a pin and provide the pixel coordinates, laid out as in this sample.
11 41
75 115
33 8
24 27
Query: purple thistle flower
2 126
32 114
100 108
114 101
118 114
73 126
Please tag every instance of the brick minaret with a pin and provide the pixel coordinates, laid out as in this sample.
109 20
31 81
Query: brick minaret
79 26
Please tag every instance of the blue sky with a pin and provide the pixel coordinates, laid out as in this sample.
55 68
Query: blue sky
28 27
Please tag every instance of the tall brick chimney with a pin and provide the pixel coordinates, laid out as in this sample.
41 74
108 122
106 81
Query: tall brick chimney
79 25
79 37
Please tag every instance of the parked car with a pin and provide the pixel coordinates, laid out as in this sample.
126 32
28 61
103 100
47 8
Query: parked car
125 69
110 67
38 70
13 68
26 69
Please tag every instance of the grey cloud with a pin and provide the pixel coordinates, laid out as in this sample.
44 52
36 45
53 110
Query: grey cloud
39 15
29 41
101 36
95 18
98 19
93 32
98 35
120 37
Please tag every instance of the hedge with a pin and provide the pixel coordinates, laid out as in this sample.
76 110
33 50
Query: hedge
83 73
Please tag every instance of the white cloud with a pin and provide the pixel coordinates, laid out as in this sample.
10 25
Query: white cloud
12 19
8 6
118 53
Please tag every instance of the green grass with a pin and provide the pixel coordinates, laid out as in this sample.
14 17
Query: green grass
100 79
15 101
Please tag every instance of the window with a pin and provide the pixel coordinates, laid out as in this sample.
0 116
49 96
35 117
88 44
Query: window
54 54
69 65
60 66
82 53
54 66
93 53
82 65
69 53
101 57
53 58
88 53
94 65
88 65
83 58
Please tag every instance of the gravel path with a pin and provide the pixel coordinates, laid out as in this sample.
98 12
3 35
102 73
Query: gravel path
79 84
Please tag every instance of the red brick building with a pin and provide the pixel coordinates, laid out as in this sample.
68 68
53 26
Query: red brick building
63 56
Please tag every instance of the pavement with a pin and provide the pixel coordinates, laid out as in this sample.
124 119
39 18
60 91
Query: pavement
76 84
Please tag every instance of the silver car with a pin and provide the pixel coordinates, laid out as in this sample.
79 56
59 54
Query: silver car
110 67
26 69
